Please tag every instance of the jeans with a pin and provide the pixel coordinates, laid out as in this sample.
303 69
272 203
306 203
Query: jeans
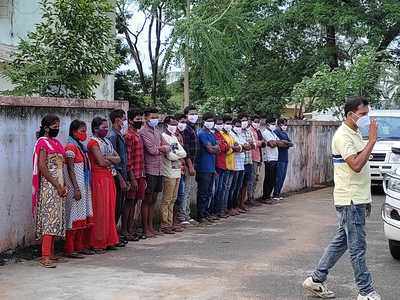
350 235
226 191
236 186
180 200
205 183
281 170
270 179
220 190
190 185
252 186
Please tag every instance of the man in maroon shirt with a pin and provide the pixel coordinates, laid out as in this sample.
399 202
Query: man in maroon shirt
153 149
136 174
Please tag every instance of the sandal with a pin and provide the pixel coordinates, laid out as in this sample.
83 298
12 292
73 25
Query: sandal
99 251
47 263
75 256
87 252
58 259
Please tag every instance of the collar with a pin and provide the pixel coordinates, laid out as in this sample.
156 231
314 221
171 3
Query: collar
349 129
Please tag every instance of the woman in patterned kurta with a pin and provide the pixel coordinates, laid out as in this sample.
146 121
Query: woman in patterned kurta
102 157
48 188
79 212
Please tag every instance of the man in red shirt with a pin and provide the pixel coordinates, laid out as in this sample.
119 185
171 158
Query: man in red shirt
136 175
216 208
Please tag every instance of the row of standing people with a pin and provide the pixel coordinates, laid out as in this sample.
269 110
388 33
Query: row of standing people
83 190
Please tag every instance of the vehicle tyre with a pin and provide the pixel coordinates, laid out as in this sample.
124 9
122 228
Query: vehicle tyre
394 248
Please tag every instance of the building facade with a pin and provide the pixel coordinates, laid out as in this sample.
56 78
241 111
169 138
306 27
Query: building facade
17 19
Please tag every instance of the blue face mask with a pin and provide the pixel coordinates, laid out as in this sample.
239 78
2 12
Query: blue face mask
153 122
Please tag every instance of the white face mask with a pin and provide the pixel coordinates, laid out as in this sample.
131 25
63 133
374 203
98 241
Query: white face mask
124 128
182 126
284 127
245 124
363 122
256 125
209 125
228 127
219 127
238 130
193 118
272 127
172 129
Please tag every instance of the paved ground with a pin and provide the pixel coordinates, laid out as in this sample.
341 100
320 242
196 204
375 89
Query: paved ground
263 255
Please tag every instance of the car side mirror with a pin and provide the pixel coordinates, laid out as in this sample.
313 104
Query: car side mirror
396 150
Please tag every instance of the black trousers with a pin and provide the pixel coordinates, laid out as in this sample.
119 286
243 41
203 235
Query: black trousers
120 200
269 179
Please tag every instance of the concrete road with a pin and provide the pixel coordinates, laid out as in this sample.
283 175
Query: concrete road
265 254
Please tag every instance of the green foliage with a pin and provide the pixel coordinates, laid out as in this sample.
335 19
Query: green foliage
328 89
67 52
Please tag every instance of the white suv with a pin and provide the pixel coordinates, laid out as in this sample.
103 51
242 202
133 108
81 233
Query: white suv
382 159
391 210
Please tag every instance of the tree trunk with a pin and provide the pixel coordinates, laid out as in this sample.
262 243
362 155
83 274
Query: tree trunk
186 82
331 47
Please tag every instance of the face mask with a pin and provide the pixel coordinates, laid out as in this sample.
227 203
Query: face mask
256 125
53 132
228 127
182 126
245 124
81 136
124 128
153 122
193 118
172 129
209 125
272 127
363 122
102 133
137 124
219 127
238 130
284 127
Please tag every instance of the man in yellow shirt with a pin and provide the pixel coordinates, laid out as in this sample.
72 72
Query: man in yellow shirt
352 198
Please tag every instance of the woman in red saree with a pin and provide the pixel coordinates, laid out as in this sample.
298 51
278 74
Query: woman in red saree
48 190
102 156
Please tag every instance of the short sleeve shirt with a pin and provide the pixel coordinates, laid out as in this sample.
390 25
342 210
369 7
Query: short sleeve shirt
270 154
205 161
350 186
240 157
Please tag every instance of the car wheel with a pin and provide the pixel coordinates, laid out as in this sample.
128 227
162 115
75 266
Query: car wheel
394 247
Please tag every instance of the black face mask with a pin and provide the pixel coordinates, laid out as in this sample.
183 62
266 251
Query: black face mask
53 132
137 124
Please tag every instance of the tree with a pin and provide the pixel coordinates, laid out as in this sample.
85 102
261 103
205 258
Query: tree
67 51
328 89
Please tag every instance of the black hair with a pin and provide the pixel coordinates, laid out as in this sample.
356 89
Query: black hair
76 125
352 104
255 117
236 121
168 119
46 122
281 121
219 118
208 115
188 109
133 113
180 117
270 120
227 118
243 115
116 113
97 121
150 110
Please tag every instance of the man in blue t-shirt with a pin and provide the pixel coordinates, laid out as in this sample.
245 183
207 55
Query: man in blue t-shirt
283 157
205 167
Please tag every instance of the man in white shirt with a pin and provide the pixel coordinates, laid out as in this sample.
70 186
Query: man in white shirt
271 154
